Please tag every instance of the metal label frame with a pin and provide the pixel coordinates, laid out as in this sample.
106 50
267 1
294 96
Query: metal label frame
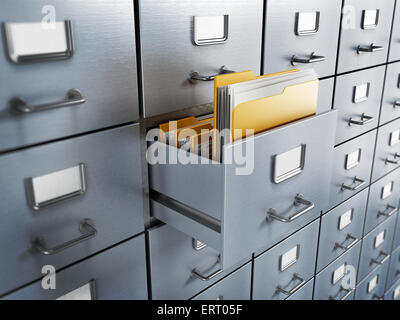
211 41
294 172
299 32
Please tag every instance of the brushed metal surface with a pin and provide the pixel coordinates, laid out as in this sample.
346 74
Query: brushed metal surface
394 53
389 110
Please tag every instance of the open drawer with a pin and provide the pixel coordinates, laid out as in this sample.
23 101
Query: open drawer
238 207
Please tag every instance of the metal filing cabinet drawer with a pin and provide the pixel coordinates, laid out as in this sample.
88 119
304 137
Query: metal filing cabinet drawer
352 166
373 286
335 282
376 248
281 201
358 99
236 286
284 269
181 38
365 33
302 34
394 269
99 62
304 293
87 189
390 109
395 40
396 241
341 229
116 274
176 260
383 200
394 292
325 95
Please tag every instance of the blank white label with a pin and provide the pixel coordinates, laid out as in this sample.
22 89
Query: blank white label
396 293
289 258
394 138
380 238
353 159
211 29
345 219
338 274
373 283
361 93
289 164
387 190
82 293
307 23
370 19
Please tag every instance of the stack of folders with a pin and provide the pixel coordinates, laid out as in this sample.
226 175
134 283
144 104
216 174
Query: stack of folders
245 105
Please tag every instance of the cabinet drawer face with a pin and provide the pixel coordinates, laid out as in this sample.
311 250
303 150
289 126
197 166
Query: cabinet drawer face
173 260
387 154
284 269
373 286
365 33
304 293
341 229
390 109
396 241
182 37
297 29
337 281
394 269
102 277
234 287
358 99
49 193
395 41
352 166
376 248
101 66
394 292
325 95
383 200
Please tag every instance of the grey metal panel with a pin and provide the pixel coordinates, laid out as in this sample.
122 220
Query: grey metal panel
392 293
341 175
331 233
172 260
394 53
348 109
381 202
103 68
282 42
389 111
396 241
394 269
386 151
325 288
370 252
169 53
268 271
234 287
118 274
362 290
113 201
304 293
325 95
353 35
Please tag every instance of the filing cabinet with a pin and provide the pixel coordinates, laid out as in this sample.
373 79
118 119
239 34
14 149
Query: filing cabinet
394 292
325 95
65 77
284 269
373 286
304 293
383 200
341 229
301 34
395 39
358 99
352 165
236 286
376 248
67 200
394 269
390 109
116 274
186 42
337 281
365 34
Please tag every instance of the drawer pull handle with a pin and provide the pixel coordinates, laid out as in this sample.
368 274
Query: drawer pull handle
364 120
85 227
347 291
397 104
312 59
356 180
74 97
350 245
196 76
299 200
369 49
297 287
392 210
376 297
380 262
209 277
395 162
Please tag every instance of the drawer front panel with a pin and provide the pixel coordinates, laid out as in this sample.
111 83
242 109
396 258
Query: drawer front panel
395 41
110 91
102 277
296 29
391 97
170 53
365 33
396 241
394 292
394 270
358 99
325 95
284 269
341 228
305 293
48 201
373 286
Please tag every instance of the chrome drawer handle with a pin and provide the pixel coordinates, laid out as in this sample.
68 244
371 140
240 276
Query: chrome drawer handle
299 200
74 97
360 184
396 104
350 245
369 49
85 227
380 262
348 293
395 162
209 277
297 287
376 297
364 120
392 211
196 76
312 59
